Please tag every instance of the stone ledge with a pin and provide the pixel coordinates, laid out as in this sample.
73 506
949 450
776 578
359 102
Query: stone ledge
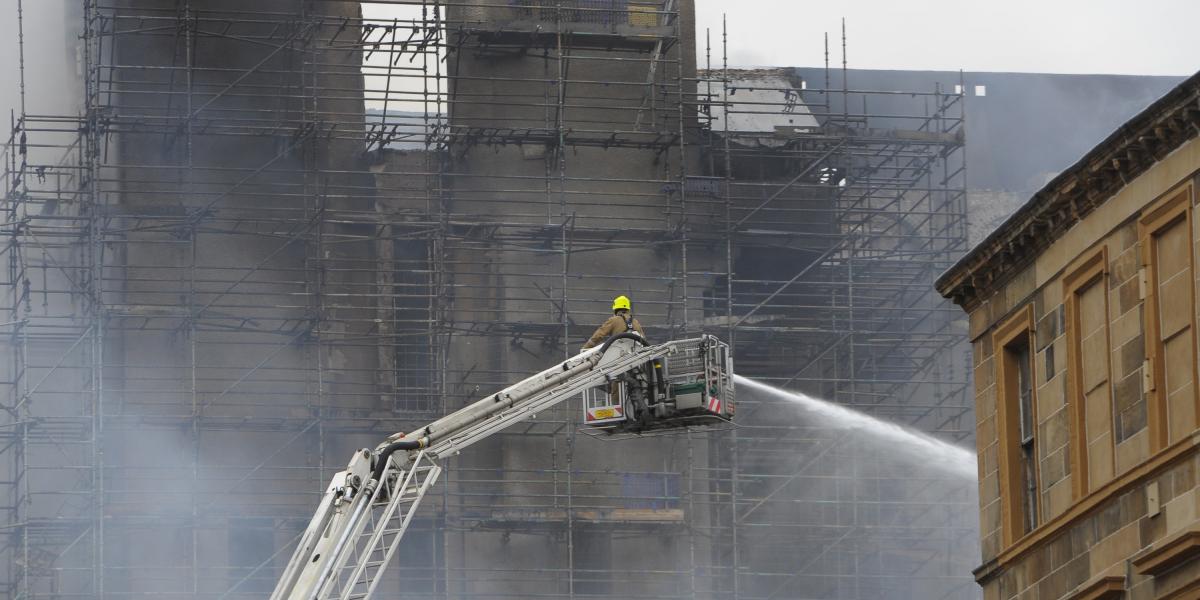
1167 554
1109 585
1070 197
1189 591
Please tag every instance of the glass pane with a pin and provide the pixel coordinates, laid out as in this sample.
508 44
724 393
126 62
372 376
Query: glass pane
1024 391
1030 483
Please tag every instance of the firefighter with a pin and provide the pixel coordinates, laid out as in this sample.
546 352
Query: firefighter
621 322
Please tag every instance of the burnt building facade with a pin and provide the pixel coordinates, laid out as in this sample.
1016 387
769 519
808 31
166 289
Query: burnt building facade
277 232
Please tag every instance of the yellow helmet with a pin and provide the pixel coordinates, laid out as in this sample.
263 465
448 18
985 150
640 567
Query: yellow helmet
620 303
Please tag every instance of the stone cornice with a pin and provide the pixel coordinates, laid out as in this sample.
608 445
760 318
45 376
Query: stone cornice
1133 148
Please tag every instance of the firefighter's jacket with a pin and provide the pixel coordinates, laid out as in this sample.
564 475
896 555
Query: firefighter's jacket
614 325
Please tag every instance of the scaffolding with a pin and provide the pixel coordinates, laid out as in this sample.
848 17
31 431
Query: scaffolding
279 231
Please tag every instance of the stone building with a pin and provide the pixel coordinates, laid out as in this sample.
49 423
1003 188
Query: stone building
1083 325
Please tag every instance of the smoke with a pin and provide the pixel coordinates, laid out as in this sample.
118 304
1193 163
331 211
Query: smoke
52 57
197 510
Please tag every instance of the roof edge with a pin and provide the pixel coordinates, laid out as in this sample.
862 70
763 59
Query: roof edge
1133 148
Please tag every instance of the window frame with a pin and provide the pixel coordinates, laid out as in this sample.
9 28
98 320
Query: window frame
1016 328
1088 270
1156 217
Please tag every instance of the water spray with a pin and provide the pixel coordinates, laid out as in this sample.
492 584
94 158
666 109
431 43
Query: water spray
929 450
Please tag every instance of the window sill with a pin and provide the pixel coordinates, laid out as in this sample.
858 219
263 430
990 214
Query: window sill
1169 553
1109 585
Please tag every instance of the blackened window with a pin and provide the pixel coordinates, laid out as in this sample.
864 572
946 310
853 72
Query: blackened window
413 330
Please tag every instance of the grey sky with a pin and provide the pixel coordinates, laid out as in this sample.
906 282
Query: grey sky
1142 37
1137 37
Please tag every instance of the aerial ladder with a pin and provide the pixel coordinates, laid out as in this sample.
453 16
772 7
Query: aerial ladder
629 388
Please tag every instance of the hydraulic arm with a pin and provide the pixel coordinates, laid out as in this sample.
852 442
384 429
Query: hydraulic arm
629 387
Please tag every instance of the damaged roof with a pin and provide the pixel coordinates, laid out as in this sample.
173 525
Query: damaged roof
1128 152
759 101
